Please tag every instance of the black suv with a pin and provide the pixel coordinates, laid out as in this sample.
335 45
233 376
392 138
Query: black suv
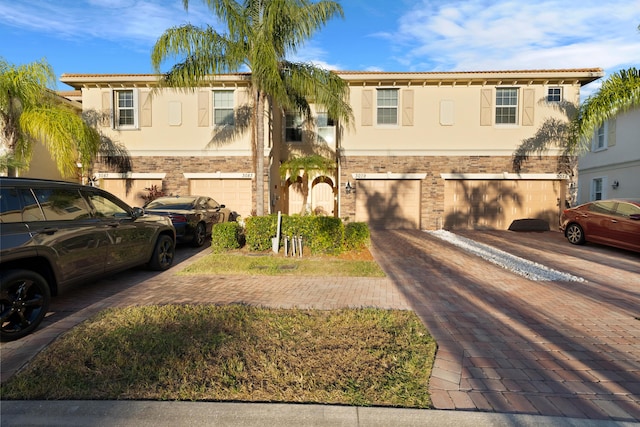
55 233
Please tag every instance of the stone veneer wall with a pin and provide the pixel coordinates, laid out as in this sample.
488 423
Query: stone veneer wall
175 183
432 187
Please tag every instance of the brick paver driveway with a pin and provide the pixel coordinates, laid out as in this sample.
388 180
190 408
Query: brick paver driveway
509 344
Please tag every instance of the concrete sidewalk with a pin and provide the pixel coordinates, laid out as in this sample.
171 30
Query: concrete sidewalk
160 414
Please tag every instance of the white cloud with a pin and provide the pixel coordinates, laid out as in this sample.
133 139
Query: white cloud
310 53
137 21
511 34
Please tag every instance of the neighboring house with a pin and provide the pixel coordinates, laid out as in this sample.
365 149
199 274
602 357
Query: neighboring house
426 150
611 169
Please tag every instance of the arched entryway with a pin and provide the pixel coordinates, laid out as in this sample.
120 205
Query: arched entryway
321 199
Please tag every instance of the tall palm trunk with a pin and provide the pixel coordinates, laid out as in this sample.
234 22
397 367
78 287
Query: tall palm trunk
259 155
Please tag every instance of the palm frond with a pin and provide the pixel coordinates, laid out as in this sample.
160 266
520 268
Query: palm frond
305 164
204 52
63 132
322 87
618 94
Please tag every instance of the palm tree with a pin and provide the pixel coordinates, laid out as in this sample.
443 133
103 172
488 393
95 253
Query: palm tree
302 167
30 113
618 94
260 33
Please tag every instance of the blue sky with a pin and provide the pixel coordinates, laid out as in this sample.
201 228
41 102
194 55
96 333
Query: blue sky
116 36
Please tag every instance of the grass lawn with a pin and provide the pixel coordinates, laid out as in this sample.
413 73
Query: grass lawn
359 264
236 352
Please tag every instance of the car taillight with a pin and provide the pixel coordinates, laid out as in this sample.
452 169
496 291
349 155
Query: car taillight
178 218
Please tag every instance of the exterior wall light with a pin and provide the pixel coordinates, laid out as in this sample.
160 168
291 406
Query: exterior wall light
615 184
349 188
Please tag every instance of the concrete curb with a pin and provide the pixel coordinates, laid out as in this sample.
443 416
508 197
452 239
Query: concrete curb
98 413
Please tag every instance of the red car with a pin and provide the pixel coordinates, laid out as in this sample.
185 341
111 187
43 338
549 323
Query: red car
613 222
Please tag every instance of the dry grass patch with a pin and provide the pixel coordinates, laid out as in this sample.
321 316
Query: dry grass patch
241 353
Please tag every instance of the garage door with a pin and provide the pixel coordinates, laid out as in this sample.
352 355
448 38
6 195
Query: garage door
233 193
495 204
388 204
132 195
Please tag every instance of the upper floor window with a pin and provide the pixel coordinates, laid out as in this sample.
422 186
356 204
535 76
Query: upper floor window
326 128
387 106
293 131
507 106
554 94
600 138
126 109
223 108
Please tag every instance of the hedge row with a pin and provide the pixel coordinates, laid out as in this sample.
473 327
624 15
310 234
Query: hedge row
319 234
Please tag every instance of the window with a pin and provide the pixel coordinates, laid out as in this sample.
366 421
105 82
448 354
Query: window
326 128
599 139
223 108
554 94
627 209
62 205
387 106
212 204
17 205
605 208
293 131
507 106
105 208
597 189
125 112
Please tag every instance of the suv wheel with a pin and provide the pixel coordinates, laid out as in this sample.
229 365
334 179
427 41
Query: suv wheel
163 253
24 301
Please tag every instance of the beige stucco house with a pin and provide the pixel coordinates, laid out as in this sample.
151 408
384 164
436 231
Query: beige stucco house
425 150
611 169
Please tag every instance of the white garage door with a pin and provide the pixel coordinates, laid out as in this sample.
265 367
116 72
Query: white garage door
388 203
233 193
136 188
495 204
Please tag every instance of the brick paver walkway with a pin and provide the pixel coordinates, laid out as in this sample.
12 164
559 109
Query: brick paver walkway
506 344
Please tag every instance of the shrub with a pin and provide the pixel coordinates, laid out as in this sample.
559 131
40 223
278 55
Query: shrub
356 236
320 234
327 235
153 193
226 236
259 230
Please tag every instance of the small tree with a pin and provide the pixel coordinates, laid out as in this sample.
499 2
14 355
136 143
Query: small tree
303 167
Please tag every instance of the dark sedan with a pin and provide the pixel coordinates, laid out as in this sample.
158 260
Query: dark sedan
193 216
614 222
